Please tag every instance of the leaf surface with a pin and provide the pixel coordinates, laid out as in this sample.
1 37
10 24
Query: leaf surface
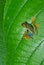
19 50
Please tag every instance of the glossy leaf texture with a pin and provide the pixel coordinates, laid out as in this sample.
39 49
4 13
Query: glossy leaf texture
20 51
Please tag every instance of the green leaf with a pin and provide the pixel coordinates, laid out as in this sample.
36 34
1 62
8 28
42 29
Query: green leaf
2 37
20 51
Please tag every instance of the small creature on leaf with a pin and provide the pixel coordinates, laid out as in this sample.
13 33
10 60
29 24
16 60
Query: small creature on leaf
31 28
28 26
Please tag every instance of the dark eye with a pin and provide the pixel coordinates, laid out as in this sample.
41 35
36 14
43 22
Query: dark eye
27 30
